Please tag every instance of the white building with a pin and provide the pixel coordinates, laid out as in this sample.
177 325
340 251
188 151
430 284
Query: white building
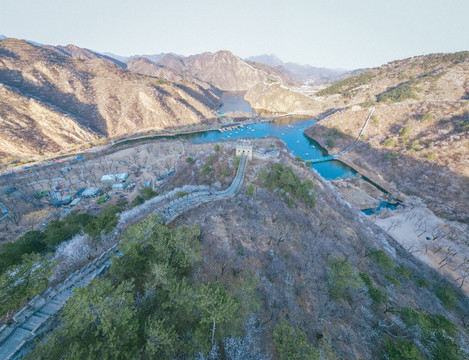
91 192
244 147
115 177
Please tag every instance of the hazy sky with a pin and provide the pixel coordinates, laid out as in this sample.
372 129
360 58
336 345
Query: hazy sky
332 33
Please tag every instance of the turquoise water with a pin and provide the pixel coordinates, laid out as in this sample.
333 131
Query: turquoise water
290 130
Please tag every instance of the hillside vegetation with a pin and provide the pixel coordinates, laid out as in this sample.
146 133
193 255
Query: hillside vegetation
259 277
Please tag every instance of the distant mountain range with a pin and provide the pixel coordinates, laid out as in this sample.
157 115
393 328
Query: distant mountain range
301 73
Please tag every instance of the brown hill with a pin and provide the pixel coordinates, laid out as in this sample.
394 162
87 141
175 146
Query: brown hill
95 97
418 139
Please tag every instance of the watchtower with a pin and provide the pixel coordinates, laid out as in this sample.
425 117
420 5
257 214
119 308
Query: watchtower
244 147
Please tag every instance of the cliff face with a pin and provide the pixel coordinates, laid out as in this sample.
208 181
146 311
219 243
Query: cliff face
63 101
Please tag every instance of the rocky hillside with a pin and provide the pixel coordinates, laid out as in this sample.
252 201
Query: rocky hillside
222 69
53 100
418 139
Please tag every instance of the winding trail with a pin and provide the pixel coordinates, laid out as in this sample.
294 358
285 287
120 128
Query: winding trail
35 318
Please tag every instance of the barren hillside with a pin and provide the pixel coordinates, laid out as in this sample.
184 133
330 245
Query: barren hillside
418 139
95 96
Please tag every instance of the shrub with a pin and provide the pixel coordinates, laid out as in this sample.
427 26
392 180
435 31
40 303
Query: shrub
390 142
422 283
283 177
236 161
226 172
404 132
382 259
401 349
427 117
217 148
404 271
447 296
392 279
189 160
148 193
291 343
393 156
250 190
330 142
138 200
180 194
399 93
342 276
377 295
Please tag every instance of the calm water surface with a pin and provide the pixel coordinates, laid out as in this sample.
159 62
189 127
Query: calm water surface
290 130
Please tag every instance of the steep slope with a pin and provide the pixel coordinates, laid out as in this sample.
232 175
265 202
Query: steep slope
418 140
82 54
226 71
100 98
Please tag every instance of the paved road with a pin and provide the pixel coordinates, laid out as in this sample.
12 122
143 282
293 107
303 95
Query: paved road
16 339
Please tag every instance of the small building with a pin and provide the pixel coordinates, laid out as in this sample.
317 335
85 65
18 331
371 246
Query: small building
55 202
119 186
65 200
75 201
244 147
91 192
121 177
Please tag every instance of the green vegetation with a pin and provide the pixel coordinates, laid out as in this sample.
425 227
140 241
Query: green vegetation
250 189
377 295
367 104
401 349
138 200
399 93
105 222
346 86
12 253
147 308
180 194
382 259
206 168
404 132
189 160
435 332
390 142
147 193
291 343
463 125
342 278
447 296
393 156
392 279
330 142
217 148
103 198
226 172
283 178
404 272
427 117
236 161
22 282
420 282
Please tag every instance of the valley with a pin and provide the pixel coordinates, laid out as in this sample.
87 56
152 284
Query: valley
347 230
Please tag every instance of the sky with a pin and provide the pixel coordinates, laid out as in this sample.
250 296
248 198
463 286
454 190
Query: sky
346 34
